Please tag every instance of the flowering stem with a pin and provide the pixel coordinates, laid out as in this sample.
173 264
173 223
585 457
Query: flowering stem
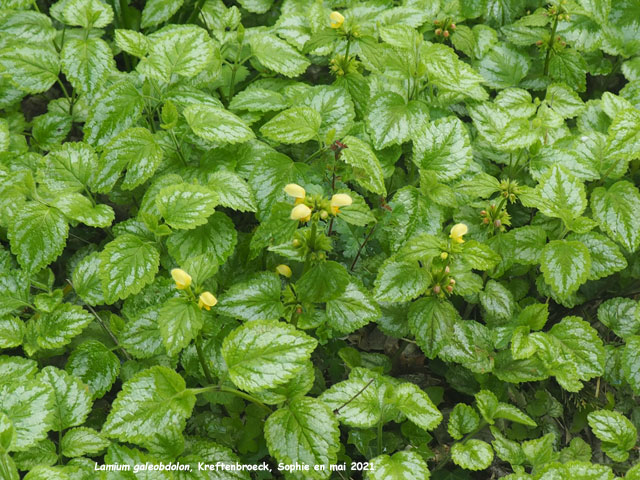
355 260
203 361
547 58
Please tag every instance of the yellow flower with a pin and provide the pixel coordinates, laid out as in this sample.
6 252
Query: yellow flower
207 300
182 278
296 191
340 200
284 270
336 19
301 212
457 231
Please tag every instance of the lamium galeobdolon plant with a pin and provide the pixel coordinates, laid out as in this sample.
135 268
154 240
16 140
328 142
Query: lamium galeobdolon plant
319 239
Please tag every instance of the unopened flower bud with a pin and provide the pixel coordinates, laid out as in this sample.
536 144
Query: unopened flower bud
449 288
539 43
298 309
453 26
324 214
283 270
436 22
436 289
444 255
445 34
295 242
447 269
497 223
452 281
438 31
485 220
483 212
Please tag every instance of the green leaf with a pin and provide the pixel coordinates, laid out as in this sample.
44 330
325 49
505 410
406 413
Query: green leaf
498 302
503 66
479 256
180 320
216 124
32 66
561 194
359 401
217 238
568 66
416 405
131 41
450 74
506 449
157 11
185 206
631 363
183 50
255 99
82 441
71 401
86 63
444 147
403 465
606 257
127 264
113 111
295 125
304 432
565 266
232 191
463 419
255 299
141 336
500 128
87 13
581 340
431 321
529 243
38 234
564 100
622 315
77 207
335 107
86 279
400 281
352 310
421 247
96 365
137 150
624 134
264 354
367 170
153 401
58 328
617 433
29 405
325 281
48 130
616 210
11 332
68 167
277 55
392 121
472 454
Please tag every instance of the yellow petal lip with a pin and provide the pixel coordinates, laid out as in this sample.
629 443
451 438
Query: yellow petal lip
284 270
294 190
457 231
301 212
207 300
182 278
341 200
336 19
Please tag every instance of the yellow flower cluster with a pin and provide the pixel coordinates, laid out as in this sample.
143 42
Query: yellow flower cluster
183 282
302 212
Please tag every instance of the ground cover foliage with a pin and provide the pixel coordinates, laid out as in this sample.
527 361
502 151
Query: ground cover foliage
400 234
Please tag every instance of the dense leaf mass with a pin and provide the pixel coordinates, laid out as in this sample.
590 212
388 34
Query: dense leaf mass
388 240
